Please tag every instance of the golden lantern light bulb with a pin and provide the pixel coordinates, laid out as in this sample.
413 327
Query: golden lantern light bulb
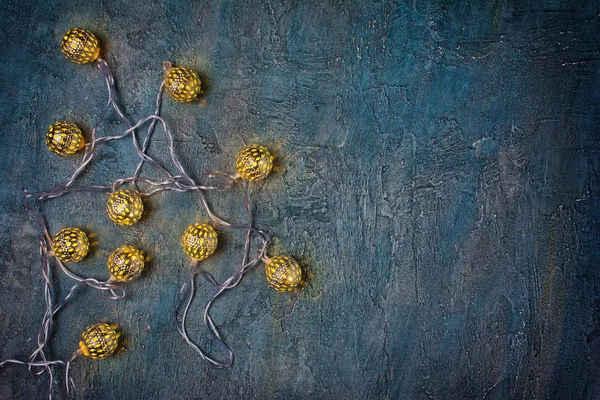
80 46
283 273
64 138
125 207
125 263
254 162
70 245
99 340
182 84
199 241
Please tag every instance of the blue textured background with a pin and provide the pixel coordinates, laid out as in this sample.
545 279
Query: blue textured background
438 176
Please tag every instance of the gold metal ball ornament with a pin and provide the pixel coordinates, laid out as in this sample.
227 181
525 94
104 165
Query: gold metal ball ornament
64 138
182 84
70 245
125 207
199 241
126 263
80 46
283 273
99 340
254 162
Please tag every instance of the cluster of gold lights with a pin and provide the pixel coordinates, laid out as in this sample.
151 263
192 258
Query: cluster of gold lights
125 207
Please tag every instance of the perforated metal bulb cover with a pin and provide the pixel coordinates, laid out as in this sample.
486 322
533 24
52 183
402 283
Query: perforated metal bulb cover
80 46
126 263
283 273
182 84
70 244
64 138
255 162
125 207
99 340
199 241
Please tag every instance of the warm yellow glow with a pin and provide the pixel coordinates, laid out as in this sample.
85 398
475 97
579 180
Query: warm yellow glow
283 273
99 340
70 244
126 263
125 207
64 138
182 84
254 162
199 241
80 46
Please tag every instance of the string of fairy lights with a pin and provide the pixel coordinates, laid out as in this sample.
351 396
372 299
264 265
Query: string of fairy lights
125 207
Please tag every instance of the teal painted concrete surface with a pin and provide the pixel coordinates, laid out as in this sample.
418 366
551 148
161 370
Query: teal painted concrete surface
437 177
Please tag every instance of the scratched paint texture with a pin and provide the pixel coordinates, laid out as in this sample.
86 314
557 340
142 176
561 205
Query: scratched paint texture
438 176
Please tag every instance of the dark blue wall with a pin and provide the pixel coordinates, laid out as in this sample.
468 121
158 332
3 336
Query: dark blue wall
439 177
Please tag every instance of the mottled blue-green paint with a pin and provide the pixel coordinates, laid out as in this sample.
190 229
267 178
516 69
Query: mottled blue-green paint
437 175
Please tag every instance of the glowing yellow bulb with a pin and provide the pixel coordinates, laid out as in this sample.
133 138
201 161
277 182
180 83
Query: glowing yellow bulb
283 273
199 241
254 162
126 263
182 84
64 138
125 207
70 244
80 46
99 340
